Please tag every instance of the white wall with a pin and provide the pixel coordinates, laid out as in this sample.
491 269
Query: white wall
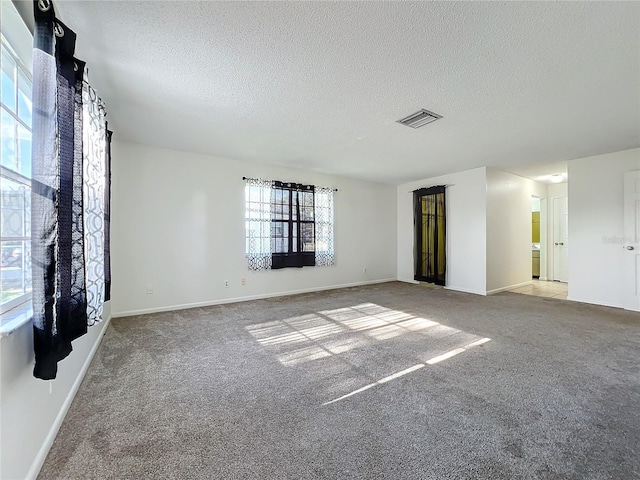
596 227
178 224
32 409
466 229
508 230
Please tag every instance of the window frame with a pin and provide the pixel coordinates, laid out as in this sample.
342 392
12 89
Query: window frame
19 302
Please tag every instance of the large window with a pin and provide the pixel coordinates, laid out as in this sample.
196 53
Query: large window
288 225
15 180
292 226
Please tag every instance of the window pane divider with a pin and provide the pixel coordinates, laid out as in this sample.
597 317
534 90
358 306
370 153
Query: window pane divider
15 176
15 116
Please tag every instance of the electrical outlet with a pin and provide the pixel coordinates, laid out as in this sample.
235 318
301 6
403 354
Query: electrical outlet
226 284
149 289
364 270
243 281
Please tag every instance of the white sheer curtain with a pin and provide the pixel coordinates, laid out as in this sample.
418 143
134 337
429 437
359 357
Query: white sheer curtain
258 223
323 212
94 164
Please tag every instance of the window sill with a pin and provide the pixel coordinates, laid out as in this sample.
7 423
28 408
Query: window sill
15 318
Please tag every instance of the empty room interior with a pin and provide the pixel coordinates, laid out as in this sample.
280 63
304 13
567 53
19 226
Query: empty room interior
320 240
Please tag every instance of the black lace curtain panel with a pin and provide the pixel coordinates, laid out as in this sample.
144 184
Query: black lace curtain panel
70 195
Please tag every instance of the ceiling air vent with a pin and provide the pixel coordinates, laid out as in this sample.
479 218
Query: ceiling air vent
420 118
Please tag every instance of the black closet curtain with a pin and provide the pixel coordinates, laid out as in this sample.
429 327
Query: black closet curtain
292 225
430 234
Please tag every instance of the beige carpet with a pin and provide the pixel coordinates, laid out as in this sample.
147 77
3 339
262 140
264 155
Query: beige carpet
391 381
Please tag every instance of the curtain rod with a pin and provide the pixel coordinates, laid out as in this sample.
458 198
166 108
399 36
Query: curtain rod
249 178
445 186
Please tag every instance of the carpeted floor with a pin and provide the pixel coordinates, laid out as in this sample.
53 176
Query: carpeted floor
391 381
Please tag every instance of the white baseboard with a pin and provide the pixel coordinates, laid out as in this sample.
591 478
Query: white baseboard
544 279
465 290
184 306
591 302
510 287
51 436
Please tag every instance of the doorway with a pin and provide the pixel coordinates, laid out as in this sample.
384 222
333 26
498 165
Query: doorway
549 262
536 243
430 234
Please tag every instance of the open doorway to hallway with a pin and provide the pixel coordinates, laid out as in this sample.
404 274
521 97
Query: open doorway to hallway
549 244
536 244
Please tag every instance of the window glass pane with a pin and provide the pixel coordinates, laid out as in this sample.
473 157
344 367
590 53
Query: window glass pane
307 213
308 240
254 194
8 90
15 200
24 151
15 269
294 241
24 98
8 144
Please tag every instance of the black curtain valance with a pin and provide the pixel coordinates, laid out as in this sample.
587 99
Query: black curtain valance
430 190
299 187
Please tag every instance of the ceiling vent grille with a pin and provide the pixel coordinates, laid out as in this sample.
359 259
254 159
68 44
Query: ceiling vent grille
419 119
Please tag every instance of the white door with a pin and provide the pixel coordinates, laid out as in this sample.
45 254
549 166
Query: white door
631 242
560 239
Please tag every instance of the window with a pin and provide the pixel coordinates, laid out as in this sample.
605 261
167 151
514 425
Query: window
292 225
288 225
15 180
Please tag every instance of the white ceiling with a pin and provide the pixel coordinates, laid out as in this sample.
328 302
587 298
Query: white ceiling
320 85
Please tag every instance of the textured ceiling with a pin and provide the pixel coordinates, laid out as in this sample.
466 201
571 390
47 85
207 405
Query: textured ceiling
320 85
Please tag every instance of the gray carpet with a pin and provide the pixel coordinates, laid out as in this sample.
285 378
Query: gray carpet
391 381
